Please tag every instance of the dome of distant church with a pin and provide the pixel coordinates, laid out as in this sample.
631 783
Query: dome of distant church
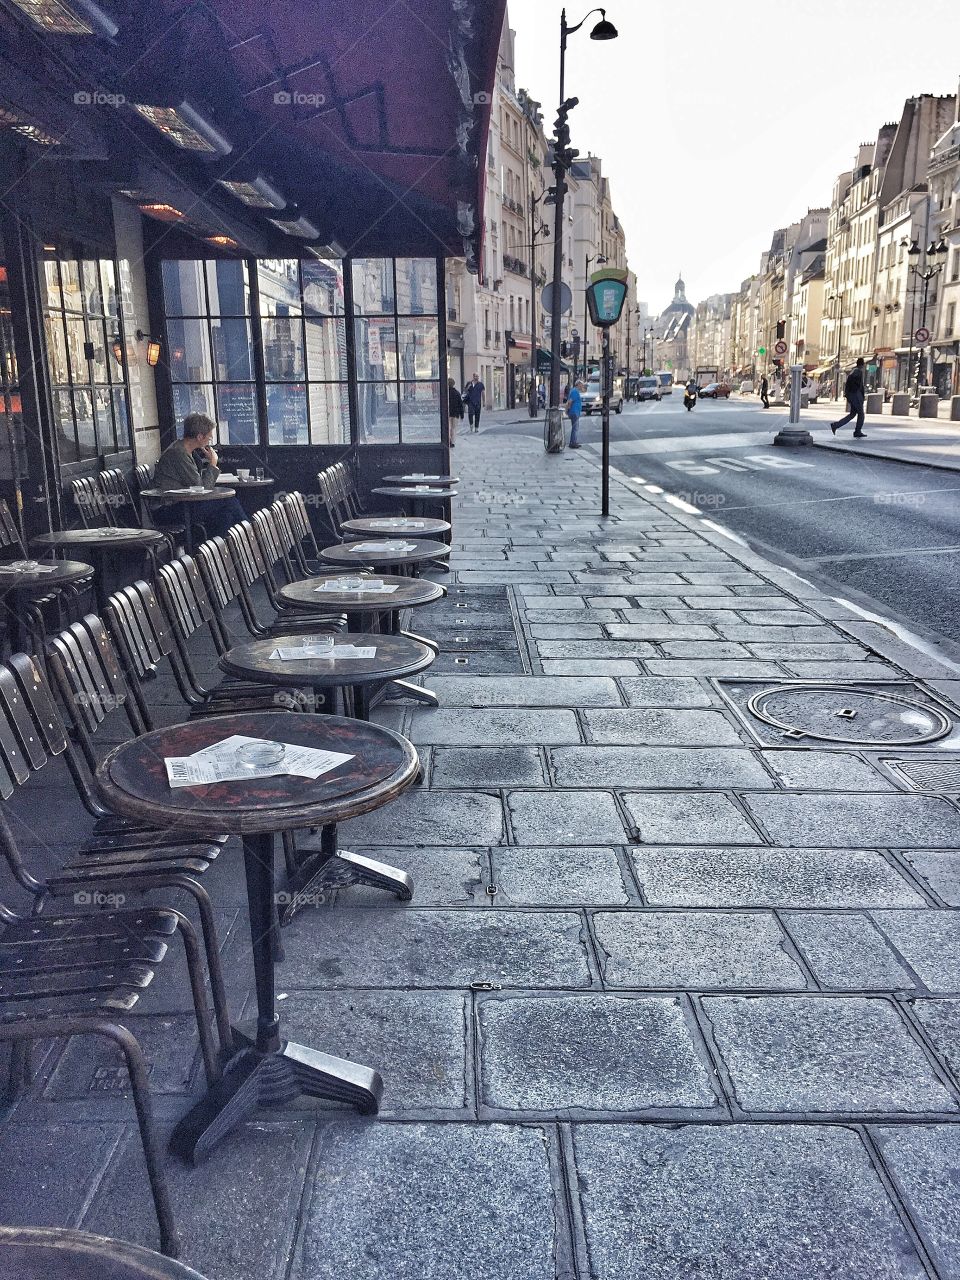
679 302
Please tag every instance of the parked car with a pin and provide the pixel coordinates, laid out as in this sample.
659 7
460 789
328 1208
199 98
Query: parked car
648 389
593 399
715 391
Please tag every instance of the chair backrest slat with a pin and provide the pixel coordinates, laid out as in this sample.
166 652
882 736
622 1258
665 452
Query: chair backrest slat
36 692
9 531
14 720
117 495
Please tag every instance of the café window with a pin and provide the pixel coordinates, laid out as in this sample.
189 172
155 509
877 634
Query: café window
303 334
397 343
210 345
86 358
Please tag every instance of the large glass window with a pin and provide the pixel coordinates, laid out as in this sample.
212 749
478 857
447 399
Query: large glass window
85 357
210 345
397 340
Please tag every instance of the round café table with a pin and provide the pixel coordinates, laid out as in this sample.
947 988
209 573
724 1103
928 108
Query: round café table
55 1253
100 545
390 553
356 680
189 498
253 493
397 526
22 589
371 612
267 1069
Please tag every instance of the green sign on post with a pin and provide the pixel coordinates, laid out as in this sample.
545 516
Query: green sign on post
606 294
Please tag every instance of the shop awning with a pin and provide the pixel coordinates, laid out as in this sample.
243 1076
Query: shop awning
544 361
369 120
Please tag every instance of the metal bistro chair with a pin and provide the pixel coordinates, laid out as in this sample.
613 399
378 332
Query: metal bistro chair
254 572
151 517
65 975
299 520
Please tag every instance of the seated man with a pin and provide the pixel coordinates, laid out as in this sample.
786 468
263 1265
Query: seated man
192 461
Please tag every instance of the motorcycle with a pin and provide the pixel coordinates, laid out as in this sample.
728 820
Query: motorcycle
689 399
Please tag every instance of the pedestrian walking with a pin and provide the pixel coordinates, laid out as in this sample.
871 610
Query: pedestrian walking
765 391
854 389
473 395
456 409
574 410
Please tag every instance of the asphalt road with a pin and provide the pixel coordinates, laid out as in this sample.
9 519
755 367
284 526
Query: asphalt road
885 535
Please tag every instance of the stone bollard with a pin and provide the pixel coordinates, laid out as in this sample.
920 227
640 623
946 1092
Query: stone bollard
875 402
929 404
955 409
901 404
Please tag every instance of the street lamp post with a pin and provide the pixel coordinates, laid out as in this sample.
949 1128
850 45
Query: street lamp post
599 259
647 329
564 156
838 297
535 231
631 311
935 255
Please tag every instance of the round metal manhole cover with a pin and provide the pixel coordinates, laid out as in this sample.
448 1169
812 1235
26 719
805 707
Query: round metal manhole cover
835 713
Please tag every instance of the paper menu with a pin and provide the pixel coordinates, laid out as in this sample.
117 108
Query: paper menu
374 585
382 546
400 523
291 654
219 763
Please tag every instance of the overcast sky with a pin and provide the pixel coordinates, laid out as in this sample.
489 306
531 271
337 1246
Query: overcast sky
719 122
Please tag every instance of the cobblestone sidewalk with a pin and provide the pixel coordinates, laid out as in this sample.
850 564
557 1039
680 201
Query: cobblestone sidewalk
674 998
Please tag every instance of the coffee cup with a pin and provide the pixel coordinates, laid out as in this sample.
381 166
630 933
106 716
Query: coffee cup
243 473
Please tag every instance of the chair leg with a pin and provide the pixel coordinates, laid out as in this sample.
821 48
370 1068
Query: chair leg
191 949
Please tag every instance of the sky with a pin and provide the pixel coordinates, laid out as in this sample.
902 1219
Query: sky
718 122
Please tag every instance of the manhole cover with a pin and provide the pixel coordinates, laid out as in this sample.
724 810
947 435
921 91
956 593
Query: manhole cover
927 775
839 713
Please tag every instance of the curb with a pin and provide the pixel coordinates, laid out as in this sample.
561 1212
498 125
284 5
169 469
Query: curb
886 457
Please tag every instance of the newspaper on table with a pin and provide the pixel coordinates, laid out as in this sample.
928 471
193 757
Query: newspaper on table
382 546
399 522
27 566
290 653
376 585
219 763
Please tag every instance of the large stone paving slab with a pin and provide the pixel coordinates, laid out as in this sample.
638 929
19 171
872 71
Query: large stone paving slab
941 870
526 691
847 952
697 950
821 1055
53 1167
434 948
415 1039
924 1162
431 1202
688 817
930 943
441 877
777 1202
569 1055
845 821
422 817
742 877
494 727
657 767
940 1019
664 691
558 877
824 771
487 767
237 1219
657 726
565 817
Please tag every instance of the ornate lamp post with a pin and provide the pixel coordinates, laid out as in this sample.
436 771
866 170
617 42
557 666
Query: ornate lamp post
838 298
933 259
536 229
599 259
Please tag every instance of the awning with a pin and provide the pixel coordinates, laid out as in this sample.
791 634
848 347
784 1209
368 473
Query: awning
544 361
369 120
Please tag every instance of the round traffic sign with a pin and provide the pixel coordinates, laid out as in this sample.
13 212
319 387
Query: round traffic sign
922 335
781 348
566 297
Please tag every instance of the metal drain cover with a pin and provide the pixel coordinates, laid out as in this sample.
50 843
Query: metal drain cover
841 713
926 775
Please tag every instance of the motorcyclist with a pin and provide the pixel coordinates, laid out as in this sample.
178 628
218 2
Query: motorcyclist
690 394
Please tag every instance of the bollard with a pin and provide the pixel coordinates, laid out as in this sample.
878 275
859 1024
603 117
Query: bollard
901 404
929 404
874 402
955 409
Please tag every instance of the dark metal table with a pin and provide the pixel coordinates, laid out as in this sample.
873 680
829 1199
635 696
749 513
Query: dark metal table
358 680
189 498
397 526
22 589
357 554
53 1253
253 493
100 544
132 782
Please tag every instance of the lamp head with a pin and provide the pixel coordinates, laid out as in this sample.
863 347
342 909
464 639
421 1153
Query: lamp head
604 30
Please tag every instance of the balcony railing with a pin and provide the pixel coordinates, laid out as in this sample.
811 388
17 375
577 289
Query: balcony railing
486 337
516 265
452 313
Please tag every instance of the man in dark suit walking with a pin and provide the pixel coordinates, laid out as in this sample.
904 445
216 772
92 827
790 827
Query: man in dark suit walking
855 390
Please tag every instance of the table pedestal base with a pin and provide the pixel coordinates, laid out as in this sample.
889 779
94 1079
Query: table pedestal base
322 869
408 690
255 1079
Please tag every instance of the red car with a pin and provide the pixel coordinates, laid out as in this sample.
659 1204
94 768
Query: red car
715 391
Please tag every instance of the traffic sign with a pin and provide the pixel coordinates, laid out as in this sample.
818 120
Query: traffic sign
922 335
781 348
761 351
566 297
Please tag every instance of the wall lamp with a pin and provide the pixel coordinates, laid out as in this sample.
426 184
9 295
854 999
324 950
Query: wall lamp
153 348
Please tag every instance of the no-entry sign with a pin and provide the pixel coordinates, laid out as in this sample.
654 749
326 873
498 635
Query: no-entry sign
922 335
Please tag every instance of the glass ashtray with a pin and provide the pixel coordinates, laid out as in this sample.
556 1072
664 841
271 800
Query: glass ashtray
352 582
23 566
260 755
